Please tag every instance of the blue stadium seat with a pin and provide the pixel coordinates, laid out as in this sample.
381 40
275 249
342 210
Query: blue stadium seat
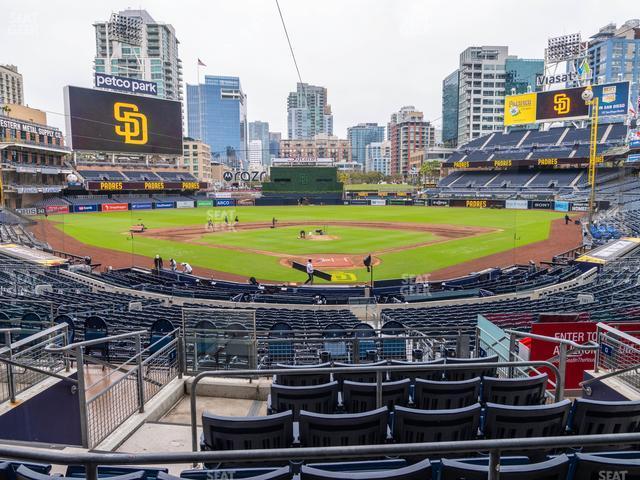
438 395
320 430
8 468
506 421
415 426
418 471
422 374
336 348
207 343
301 380
107 471
361 397
366 339
96 328
159 334
282 473
515 391
281 348
600 417
599 467
316 399
472 371
25 473
393 348
554 469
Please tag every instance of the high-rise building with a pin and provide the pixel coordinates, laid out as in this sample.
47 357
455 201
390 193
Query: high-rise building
274 145
197 158
483 74
255 155
308 113
521 73
614 56
260 131
362 135
132 44
407 131
378 157
11 89
450 109
321 146
217 115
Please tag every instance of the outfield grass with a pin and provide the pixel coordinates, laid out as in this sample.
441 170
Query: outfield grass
517 228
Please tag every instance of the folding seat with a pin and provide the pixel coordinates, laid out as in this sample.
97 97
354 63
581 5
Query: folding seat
438 395
515 391
282 473
415 426
418 471
207 344
159 335
245 433
8 468
336 348
106 471
472 371
599 467
238 346
361 377
300 380
317 399
25 473
320 430
554 469
366 336
94 329
423 374
30 323
281 345
506 421
599 417
393 347
361 397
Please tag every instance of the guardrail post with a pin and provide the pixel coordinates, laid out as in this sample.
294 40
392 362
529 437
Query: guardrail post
378 388
562 367
477 342
10 378
91 471
82 400
596 362
356 350
182 361
140 376
65 342
512 352
494 465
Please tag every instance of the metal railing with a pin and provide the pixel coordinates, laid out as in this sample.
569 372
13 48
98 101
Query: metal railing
618 356
91 460
378 369
27 362
113 398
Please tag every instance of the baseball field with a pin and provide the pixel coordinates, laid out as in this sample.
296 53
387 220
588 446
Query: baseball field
402 240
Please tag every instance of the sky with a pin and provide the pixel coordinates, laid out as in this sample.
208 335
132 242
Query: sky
373 56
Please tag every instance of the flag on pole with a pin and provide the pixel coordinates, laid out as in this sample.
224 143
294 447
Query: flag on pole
201 63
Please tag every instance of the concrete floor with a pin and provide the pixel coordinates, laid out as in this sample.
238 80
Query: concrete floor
231 407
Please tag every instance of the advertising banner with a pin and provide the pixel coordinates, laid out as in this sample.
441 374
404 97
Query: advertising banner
56 209
378 202
124 84
226 202
27 211
204 203
613 99
419 202
184 204
115 207
359 202
561 206
163 205
141 206
439 202
580 206
111 186
520 109
477 203
119 122
541 204
517 204
85 208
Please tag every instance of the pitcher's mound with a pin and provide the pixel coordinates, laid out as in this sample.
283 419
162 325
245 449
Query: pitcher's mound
321 238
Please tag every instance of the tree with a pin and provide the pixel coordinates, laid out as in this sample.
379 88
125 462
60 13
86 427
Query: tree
430 169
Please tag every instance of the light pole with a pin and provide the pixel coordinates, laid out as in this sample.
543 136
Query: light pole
592 101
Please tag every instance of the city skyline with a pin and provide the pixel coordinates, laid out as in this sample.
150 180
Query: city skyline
267 79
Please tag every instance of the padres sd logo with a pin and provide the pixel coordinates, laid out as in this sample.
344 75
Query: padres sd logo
561 103
134 124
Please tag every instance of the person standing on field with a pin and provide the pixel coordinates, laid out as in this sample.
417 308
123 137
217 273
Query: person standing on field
157 264
309 272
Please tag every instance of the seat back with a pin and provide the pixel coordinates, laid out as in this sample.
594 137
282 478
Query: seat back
555 469
366 336
300 380
361 377
417 471
238 344
415 426
316 399
71 327
361 397
515 391
423 374
393 347
319 430
472 371
256 473
30 323
433 395
281 347
25 473
599 417
245 433
95 328
337 348
591 467
207 340
160 329
506 421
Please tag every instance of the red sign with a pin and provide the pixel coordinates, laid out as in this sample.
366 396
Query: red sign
56 209
579 332
115 207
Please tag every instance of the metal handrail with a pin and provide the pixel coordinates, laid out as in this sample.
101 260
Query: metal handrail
91 460
97 341
378 369
590 345
38 370
617 333
585 383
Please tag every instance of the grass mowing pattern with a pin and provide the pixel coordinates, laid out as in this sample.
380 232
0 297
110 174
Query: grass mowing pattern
110 230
